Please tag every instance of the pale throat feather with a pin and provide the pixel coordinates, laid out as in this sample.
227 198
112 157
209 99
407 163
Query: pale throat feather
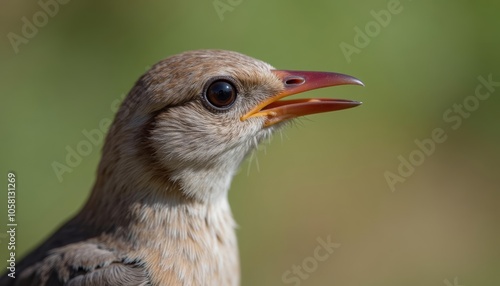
183 241
195 242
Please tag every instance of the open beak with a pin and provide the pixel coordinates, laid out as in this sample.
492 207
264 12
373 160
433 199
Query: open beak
276 110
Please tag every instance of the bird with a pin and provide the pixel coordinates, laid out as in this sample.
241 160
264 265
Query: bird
158 213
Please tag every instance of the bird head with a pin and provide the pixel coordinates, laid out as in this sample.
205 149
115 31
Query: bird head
193 117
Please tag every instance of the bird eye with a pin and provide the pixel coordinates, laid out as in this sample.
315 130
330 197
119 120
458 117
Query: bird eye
221 94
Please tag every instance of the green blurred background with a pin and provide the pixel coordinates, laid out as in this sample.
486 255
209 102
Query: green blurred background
325 178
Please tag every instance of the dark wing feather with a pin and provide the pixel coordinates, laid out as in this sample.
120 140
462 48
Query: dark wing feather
113 274
84 263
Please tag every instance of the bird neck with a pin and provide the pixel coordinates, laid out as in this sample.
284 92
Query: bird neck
174 215
123 196
182 241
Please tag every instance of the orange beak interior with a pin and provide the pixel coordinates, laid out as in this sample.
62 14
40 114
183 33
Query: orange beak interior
276 110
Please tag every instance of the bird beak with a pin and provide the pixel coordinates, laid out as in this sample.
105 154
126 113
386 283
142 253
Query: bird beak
276 110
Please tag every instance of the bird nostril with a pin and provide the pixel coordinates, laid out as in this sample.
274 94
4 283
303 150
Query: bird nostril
294 81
